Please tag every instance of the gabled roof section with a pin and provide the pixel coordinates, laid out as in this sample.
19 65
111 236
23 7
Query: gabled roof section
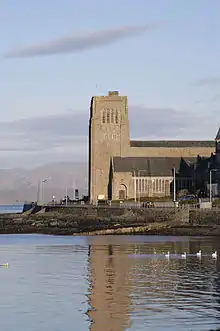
218 135
150 166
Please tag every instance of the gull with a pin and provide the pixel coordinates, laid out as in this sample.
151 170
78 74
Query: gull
214 255
183 255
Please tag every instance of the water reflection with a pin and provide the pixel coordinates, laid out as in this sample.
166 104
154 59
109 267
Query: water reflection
111 285
146 291
122 283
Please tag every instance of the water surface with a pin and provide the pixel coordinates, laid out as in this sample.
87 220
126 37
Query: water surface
111 283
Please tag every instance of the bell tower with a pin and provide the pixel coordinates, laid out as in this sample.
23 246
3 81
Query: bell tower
108 136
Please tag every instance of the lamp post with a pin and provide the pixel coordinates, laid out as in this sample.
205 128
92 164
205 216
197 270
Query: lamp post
139 187
152 187
174 185
135 187
38 192
66 195
43 182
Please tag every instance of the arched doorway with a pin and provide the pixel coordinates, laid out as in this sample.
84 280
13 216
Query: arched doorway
122 192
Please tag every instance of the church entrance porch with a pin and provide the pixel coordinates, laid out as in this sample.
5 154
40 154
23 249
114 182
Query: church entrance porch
123 192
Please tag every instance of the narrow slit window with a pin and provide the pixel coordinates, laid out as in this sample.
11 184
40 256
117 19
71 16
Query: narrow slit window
103 117
116 117
112 116
108 116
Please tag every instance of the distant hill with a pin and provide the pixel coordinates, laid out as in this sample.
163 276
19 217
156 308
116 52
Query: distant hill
22 185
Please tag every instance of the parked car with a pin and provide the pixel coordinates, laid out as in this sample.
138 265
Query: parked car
189 197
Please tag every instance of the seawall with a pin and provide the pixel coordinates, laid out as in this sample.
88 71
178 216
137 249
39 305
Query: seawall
101 220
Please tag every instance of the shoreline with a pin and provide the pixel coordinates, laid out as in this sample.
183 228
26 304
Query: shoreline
211 231
88 221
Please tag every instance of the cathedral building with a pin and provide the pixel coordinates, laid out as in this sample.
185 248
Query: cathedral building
120 168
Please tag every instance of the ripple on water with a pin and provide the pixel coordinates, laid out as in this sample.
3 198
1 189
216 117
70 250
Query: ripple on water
99 283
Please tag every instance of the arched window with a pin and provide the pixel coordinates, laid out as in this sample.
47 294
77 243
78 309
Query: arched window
112 116
108 116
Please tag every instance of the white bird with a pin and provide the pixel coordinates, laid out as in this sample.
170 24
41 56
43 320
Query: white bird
168 254
214 255
183 255
199 253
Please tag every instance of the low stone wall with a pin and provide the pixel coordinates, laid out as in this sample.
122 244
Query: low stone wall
102 220
204 217
147 214
83 219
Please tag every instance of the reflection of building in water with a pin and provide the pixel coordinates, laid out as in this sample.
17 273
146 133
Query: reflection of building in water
110 286
159 289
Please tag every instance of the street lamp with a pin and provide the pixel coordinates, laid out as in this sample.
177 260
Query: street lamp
174 185
135 187
42 187
139 186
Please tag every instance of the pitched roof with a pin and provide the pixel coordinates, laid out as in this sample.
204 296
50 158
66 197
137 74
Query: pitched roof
173 143
218 135
150 166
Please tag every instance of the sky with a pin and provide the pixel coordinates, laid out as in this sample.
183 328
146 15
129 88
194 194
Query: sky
164 55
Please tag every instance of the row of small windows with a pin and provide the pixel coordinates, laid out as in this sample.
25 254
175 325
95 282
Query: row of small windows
143 185
110 116
159 185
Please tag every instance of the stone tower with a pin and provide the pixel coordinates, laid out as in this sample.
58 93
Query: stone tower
108 136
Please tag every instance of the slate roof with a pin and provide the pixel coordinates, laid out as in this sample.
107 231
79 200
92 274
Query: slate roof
150 166
173 143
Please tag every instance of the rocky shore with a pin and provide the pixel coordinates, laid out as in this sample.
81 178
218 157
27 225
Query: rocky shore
105 221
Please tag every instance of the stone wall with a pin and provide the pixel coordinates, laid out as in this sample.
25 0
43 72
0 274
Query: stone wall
82 219
204 217
102 220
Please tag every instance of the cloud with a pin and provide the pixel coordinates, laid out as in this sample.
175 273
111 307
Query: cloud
216 98
207 81
81 42
168 123
60 139
36 141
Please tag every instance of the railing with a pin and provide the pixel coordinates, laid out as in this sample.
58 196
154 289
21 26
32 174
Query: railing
132 205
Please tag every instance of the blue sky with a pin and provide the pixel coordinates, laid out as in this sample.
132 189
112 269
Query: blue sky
174 66
156 69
